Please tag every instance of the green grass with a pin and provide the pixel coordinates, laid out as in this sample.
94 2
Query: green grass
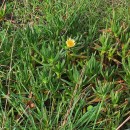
46 86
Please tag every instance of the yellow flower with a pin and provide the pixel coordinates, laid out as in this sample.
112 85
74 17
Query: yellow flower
70 42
